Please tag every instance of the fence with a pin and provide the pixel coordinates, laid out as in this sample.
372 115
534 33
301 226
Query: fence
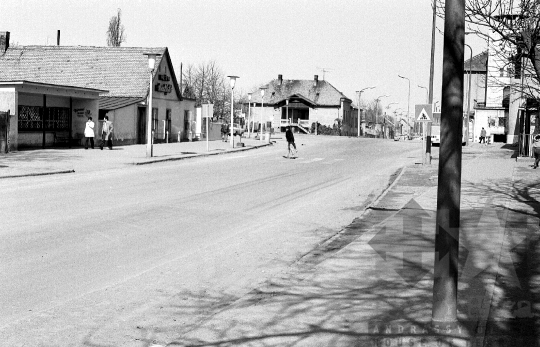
525 145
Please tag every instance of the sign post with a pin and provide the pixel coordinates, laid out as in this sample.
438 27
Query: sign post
207 112
424 114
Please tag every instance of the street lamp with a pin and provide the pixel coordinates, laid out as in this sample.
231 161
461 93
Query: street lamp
408 97
233 82
287 110
359 110
427 93
263 90
149 136
249 112
377 105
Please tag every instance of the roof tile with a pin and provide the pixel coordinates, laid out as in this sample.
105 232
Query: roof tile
123 71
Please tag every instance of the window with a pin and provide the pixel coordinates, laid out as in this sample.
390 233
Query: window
32 118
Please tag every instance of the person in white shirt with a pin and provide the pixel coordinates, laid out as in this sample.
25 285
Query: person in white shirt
89 133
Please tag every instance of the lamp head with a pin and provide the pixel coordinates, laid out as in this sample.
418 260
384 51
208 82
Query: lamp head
233 80
152 59
263 89
249 96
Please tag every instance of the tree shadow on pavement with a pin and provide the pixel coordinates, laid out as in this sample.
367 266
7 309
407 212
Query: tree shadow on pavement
515 303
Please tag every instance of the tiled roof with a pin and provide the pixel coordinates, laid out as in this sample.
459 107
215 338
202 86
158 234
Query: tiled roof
123 71
479 63
324 94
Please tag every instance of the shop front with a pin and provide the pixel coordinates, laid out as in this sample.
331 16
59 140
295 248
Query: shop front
46 115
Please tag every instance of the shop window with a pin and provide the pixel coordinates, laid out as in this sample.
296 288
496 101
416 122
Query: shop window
33 118
30 118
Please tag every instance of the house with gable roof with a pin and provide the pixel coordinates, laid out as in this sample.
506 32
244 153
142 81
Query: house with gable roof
496 103
298 103
42 88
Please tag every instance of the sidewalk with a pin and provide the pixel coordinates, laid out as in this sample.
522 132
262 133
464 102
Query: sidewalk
371 284
68 160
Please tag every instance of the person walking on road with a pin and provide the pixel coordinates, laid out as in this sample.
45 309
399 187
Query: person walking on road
290 141
224 132
536 150
89 133
106 133
482 136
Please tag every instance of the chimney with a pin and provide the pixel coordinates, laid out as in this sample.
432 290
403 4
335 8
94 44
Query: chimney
280 79
315 80
4 41
58 37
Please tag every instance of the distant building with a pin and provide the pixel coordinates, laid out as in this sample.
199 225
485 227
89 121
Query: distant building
298 103
494 104
50 91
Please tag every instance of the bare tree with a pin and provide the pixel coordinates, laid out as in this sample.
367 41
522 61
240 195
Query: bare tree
511 29
115 33
209 85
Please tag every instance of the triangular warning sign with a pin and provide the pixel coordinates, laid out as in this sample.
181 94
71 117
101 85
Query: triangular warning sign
423 116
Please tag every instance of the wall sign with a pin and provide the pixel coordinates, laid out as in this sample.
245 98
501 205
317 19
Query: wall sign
163 87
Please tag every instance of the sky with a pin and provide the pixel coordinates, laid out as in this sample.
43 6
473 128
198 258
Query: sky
360 43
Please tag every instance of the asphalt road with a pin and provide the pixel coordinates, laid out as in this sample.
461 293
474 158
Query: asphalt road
141 254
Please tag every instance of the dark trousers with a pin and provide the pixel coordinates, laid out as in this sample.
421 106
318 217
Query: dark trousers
536 151
104 142
91 139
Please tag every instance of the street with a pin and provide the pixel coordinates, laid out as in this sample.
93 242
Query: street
100 258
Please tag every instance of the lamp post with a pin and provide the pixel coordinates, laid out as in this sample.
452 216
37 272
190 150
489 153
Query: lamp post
377 105
408 98
359 110
263 90
287 109
249 112
316 121
427 93
149 136
468 99
233 83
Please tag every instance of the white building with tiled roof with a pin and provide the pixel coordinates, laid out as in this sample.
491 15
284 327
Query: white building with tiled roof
298 103
119 75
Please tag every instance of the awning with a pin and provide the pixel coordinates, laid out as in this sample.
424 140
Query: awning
116 102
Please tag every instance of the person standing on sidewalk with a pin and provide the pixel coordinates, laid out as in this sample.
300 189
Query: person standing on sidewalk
89 133
290 141
536 150
482 136
106 133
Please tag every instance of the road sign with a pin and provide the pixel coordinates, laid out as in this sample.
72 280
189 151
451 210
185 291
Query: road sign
423 113
207 110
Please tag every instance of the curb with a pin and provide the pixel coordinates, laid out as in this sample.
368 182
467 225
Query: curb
39 174
239 149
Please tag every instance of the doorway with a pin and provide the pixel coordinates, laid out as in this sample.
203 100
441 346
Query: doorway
141 125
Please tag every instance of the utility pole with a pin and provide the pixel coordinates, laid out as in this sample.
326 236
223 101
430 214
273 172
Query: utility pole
431 73
444 309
